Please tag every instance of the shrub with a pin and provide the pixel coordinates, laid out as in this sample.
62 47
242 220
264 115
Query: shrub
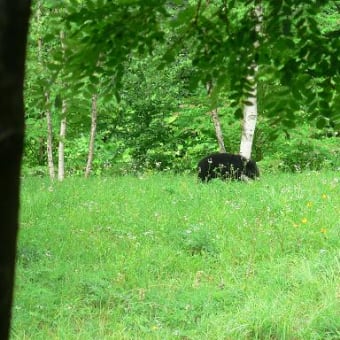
304 154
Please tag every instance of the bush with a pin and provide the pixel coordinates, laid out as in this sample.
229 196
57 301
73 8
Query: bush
304 154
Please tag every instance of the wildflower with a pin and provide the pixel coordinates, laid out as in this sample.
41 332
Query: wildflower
324 196
323 230
304 220
309 204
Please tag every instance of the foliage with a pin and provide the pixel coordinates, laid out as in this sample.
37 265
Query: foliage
301 150
161 257
148 60
311 155
220 38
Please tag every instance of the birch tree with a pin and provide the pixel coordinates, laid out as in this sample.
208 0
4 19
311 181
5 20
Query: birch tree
48 113
50 162
61 146
92 135
63 124
250 106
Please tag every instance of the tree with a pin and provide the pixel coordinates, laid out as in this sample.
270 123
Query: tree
48 114
92 135
250 106
61 146
63 124
217 123
13 35
49 138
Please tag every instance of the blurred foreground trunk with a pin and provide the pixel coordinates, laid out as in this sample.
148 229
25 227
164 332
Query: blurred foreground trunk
14 15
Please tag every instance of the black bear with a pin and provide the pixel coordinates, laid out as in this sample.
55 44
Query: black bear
227 166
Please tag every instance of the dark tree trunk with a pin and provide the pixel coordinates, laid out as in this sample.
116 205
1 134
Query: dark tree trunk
14 15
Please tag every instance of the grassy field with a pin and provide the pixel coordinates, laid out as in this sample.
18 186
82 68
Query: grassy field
163 257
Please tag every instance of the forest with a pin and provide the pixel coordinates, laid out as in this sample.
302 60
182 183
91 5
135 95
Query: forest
129 87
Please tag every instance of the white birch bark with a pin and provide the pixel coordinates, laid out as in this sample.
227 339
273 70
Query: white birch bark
49 140
249 122
250 107
63 123
92 135
61 148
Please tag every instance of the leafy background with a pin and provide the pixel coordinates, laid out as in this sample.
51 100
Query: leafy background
149 63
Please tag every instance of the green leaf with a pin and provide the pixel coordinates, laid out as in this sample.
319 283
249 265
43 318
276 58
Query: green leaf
321 123
238 113
171 119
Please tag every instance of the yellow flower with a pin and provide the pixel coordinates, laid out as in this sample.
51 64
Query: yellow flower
323 230
304 220
324 196
309 204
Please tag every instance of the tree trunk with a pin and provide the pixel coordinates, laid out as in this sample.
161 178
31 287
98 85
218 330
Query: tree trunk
249 121
13 35
250 106
217 123
49 139
92 135
62 135
218 130
48 115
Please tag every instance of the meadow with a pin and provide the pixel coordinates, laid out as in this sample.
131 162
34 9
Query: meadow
164 257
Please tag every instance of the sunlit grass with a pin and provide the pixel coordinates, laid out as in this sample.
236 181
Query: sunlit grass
164 257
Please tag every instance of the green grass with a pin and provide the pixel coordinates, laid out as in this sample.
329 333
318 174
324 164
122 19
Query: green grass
163 257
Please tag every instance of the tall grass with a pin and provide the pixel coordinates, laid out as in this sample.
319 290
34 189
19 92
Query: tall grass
163 257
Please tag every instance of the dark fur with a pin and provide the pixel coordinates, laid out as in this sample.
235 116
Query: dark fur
226 166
